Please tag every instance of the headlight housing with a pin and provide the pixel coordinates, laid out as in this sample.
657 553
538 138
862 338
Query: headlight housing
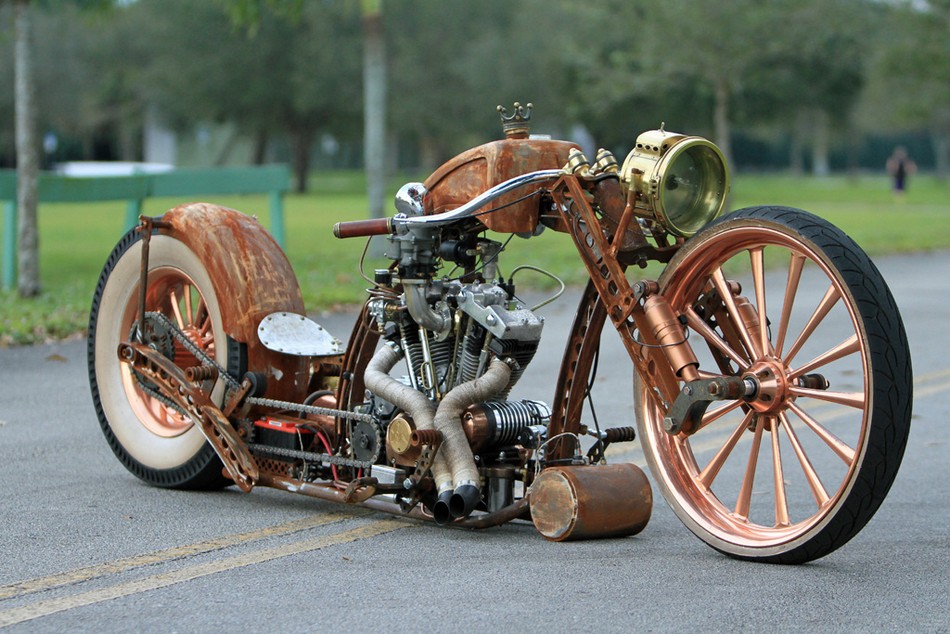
681 180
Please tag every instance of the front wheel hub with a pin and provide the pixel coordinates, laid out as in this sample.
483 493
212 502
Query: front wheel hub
771 393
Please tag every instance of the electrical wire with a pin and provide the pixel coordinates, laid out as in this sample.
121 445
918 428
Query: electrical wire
554 277
326 445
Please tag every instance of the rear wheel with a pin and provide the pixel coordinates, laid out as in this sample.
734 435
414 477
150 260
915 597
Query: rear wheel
795 471
149 436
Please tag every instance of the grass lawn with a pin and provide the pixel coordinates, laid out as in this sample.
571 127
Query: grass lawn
75 240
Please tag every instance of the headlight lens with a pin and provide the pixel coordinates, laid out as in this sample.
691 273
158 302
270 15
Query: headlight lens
682 180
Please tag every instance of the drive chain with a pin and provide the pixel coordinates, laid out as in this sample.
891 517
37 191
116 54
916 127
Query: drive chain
325 458
310 409
194 349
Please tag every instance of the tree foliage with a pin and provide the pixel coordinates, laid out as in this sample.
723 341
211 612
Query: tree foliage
806 73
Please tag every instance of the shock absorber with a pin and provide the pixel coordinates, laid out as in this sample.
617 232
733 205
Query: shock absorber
670 335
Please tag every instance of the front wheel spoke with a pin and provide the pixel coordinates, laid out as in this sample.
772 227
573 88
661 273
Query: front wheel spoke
827 302
744 503
814 482
719 282
781 503
796 262
837 445
850 399
696 323
709 474
843 349
713 415
757 258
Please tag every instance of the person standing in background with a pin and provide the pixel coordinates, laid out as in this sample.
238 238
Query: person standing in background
900 167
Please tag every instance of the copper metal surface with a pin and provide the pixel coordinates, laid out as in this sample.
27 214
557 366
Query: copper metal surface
171 291
363 228
671 335
591 501
607 274
571 388
359 351
697 484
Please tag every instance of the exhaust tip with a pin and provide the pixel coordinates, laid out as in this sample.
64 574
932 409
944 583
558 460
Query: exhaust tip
464 500
441 511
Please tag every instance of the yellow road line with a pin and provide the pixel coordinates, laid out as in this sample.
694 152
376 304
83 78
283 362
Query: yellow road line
52 606
162 556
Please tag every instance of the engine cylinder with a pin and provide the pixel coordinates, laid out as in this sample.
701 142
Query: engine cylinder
498 423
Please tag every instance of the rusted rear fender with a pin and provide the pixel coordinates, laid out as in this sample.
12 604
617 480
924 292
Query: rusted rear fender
252 279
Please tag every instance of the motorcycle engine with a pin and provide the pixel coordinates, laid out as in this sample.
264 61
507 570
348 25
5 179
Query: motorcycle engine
450 330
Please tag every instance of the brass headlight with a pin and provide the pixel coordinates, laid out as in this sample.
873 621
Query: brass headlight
681 180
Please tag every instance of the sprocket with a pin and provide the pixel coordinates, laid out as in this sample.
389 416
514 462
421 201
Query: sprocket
366 441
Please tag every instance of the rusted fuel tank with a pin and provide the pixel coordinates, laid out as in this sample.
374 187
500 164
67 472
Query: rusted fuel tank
481 168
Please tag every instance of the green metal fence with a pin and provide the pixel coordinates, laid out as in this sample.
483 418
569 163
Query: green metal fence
273 180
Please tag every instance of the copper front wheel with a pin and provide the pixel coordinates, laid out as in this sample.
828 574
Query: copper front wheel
793 472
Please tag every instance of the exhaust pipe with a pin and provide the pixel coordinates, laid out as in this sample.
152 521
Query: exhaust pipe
454 463
455 447
442 511
464 500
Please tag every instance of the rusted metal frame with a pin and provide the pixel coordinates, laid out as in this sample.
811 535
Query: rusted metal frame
145 229
331 493
607 274
429 441
213 424
582 345
359 350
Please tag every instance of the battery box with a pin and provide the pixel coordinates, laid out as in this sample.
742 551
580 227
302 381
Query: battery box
283 433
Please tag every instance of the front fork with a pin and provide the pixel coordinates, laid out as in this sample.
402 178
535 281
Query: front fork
652 333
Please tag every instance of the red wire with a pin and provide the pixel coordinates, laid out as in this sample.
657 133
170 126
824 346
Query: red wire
326 444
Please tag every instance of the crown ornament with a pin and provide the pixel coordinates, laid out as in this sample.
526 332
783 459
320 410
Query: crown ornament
517 124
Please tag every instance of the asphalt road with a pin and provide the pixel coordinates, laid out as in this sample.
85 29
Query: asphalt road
84 546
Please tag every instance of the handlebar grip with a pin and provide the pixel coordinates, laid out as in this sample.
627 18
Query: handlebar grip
361 228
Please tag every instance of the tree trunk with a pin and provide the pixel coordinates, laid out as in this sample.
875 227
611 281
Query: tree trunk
796 151
259 153
302 142
940 139
721 120
430 153
374 111
820 166
27 149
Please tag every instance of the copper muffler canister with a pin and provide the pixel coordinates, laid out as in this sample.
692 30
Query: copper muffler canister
590 501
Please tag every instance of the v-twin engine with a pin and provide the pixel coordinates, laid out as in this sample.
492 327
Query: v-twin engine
449 332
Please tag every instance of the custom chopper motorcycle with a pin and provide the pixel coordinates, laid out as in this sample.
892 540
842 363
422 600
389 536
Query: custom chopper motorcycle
771 373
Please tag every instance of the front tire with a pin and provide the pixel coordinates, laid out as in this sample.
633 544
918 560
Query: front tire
793 473
151 439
